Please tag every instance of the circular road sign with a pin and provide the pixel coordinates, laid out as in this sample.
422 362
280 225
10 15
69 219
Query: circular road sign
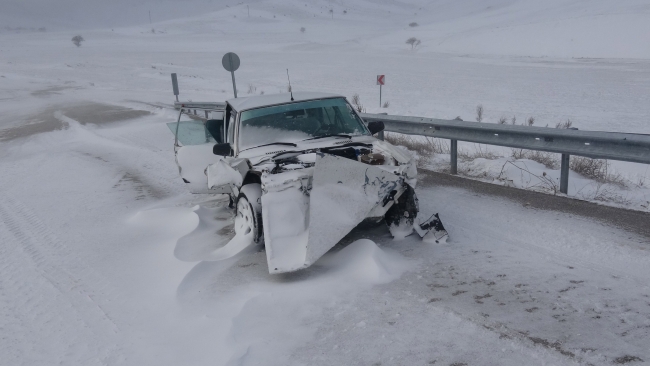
230 61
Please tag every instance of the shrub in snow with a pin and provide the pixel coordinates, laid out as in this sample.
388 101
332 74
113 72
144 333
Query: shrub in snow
77 40
251 89
302 29
502 120
424 147
547 159
479 113
413 24
596 169
356 102
564 125
531 121
386 104
414 42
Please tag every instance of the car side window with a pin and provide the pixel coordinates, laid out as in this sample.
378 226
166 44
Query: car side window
231 128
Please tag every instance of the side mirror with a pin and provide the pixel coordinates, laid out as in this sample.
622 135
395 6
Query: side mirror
375 127
222 149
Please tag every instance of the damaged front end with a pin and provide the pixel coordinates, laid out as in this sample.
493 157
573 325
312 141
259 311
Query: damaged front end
306 212
308 209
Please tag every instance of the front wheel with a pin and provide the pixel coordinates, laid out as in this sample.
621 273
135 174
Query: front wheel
248 222
401 216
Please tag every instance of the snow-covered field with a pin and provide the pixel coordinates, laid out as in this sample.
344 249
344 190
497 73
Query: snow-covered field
106 259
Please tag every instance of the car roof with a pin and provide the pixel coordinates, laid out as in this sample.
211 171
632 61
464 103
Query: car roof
245 103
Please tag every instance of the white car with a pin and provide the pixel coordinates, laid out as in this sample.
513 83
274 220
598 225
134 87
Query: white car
302 170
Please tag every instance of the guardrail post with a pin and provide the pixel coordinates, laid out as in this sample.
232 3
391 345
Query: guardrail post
564 174
454 156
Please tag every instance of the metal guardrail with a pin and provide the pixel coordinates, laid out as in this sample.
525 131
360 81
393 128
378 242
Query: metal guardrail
206 106
601 145
593 144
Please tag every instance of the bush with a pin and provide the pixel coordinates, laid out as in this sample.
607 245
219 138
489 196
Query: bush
596 169
564 125
251 89
414 24
531 121
414 42
425 147
547 159
77 40
479 113
479 152
386 104
302 29
502 120
356 102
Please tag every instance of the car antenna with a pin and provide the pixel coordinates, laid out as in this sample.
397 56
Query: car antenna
290 88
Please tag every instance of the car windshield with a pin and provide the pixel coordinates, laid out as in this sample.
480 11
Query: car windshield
298 121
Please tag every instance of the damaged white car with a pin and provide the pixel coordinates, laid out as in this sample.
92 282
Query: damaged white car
302 171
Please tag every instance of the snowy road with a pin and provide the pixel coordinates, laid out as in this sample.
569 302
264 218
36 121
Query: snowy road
105 257
93 272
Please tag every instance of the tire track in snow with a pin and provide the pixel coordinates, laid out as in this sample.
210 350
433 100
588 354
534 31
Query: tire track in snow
47 296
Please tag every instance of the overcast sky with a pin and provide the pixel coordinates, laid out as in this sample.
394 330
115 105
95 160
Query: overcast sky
80 14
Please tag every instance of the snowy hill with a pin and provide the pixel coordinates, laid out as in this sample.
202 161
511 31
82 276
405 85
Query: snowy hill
556 28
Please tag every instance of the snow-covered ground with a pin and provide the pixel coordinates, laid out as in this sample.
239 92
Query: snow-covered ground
106 259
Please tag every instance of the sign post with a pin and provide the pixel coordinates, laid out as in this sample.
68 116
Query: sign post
381 80
230 62
175 85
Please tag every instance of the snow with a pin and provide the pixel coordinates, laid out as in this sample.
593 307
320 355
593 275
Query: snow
106 259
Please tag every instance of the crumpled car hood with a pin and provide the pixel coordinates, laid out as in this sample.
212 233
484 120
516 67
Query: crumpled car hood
306 212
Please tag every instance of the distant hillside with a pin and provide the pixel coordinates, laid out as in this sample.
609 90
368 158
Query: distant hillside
550 28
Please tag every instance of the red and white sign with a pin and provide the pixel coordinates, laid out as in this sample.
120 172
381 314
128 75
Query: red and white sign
381 79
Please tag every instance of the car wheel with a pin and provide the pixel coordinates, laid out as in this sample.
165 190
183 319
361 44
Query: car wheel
247 220
404 211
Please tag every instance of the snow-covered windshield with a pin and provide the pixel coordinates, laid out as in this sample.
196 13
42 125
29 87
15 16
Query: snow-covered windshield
298 121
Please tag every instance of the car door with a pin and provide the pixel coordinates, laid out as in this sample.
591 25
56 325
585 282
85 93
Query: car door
194 140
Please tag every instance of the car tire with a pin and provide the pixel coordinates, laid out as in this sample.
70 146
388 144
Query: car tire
405 210
248 217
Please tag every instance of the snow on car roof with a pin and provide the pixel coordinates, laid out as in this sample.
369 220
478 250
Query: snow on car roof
242 104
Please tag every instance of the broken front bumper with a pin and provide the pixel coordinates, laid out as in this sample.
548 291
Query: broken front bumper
306 212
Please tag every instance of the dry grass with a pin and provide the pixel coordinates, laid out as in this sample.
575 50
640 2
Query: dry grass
549 160
480 151
425 147
596 169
